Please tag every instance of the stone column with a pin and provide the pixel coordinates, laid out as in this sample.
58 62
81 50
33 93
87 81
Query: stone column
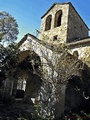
60 104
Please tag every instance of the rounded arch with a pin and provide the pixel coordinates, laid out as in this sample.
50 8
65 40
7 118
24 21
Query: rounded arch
29 60
58 17
48 22
28 79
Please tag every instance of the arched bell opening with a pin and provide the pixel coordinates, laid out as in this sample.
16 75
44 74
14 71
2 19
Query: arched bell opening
48 23
58 18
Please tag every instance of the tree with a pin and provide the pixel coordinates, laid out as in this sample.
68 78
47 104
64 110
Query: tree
59 66
8 48
9 58
8 27
57 69
8 32
62 69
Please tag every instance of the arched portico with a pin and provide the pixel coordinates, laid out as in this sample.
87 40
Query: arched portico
27 81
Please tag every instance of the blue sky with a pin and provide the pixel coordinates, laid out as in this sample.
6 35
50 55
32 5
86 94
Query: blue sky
28 12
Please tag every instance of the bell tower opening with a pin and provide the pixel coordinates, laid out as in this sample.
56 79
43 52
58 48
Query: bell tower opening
58 17
48 23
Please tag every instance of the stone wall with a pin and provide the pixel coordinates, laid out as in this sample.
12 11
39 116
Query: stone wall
81 48
49 57
83 54
76 27
60 31
72 26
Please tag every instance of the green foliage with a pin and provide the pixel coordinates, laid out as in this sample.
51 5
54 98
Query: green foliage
45 37
1 37
8 52
9 58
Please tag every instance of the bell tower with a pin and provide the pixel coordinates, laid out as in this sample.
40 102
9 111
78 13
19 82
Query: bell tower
62 24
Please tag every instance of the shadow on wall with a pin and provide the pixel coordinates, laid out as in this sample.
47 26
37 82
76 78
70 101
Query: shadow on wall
74 99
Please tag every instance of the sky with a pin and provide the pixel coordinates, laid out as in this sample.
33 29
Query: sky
28 13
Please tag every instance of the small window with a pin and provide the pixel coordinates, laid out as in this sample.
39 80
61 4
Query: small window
21 86
81 27
75 53
55 38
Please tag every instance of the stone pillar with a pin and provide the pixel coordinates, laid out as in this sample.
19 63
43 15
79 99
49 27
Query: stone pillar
8 86
60 104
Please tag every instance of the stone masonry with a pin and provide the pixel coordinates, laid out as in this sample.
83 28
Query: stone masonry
71 22
61 24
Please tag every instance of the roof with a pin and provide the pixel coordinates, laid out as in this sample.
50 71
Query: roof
80 43
51 46
34 38
25 38
23 55
62 4
53 6
56 47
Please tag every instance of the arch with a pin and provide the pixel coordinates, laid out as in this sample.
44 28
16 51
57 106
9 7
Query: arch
73 98
28 80
48 23
58 17
29 60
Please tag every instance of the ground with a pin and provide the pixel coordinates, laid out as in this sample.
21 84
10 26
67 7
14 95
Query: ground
16 111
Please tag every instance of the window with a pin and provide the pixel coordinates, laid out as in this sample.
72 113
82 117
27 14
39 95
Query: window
55 38
48 23
75 53
21 86
58 17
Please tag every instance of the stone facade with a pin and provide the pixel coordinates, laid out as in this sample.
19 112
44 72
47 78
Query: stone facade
77 29
70 20
83 49
61 31
45 53
60 24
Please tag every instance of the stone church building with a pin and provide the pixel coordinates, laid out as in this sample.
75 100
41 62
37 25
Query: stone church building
61 25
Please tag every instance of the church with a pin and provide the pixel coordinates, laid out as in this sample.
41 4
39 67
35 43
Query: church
61 26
